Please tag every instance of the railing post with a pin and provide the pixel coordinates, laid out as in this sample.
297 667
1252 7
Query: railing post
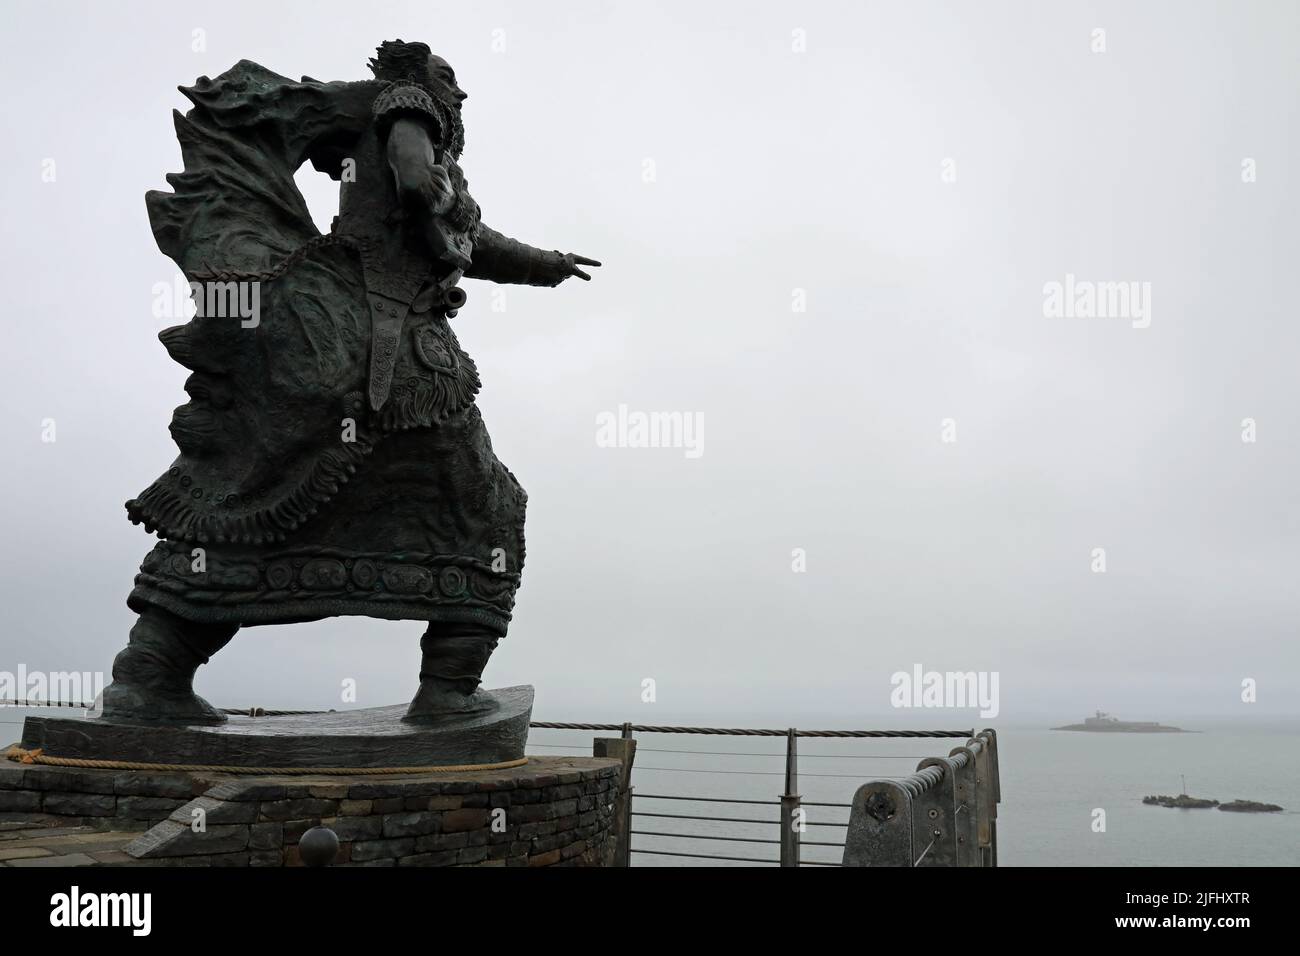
982 794
626 846
625 830
968 848
791 815
995 778
624 748
984 805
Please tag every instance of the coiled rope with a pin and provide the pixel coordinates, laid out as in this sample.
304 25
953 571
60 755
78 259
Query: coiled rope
37 756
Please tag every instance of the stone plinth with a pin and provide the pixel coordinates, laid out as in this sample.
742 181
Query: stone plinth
369 737
553 811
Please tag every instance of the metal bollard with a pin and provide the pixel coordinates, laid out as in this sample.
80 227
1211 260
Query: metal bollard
318 847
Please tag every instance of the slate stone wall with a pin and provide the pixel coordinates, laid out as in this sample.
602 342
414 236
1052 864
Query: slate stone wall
106 799
554 811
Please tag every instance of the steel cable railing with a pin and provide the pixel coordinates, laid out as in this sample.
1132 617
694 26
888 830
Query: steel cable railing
689 841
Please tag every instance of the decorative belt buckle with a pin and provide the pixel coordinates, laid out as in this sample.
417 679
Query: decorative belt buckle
435 351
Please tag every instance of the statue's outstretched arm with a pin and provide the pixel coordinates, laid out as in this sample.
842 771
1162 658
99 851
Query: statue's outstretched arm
498 258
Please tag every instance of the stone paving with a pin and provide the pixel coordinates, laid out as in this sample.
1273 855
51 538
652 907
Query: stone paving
24 844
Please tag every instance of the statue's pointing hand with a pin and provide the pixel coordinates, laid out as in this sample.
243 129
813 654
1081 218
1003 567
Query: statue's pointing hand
571 263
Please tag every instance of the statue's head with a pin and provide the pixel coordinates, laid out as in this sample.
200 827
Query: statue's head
399 60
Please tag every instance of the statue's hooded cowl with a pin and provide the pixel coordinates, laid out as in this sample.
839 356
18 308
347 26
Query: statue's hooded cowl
293 497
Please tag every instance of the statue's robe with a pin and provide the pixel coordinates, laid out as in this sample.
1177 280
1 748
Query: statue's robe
293 497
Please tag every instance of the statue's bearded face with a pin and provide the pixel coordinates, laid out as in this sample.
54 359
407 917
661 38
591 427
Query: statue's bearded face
443 79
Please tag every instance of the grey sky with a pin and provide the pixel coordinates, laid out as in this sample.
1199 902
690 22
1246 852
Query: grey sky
774 170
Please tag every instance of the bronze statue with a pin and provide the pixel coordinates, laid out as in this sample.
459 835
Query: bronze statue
332 460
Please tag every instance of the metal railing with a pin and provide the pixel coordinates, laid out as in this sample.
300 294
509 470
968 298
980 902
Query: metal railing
944 814
791 821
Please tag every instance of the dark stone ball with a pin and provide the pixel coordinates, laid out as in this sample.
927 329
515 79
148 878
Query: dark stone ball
318 846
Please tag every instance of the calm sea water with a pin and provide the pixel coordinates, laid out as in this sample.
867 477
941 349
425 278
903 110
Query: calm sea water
1052 782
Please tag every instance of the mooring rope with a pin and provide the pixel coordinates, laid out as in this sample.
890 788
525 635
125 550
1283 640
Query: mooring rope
37 756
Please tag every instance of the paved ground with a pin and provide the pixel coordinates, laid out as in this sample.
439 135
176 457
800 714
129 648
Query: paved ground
27 845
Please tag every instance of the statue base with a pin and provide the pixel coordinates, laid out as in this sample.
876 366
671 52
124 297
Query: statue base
552 811
370 738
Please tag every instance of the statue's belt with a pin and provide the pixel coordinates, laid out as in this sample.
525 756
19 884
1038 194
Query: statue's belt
387 318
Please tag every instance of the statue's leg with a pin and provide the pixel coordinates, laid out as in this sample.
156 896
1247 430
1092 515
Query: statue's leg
153 676
451 667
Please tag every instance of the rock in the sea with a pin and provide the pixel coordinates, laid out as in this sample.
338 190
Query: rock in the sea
1249 806
1180 802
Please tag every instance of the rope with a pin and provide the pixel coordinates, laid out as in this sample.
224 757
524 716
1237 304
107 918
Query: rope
232 711
36 756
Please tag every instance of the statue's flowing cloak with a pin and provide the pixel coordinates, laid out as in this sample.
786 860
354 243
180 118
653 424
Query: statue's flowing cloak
292 499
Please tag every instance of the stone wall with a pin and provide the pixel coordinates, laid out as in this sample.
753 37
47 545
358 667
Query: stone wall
554 811
106 799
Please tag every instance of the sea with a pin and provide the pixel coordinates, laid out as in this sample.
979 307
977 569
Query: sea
1068 798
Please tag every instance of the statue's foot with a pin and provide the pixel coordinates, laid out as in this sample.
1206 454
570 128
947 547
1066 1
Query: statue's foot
153 676
122 701
439 700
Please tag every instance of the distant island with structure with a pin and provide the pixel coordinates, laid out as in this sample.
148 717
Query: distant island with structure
1184 802
1103 723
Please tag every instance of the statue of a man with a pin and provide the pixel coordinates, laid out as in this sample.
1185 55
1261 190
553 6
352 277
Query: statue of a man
332 460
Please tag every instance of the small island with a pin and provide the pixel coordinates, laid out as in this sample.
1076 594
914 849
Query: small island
1184 802
1249 806
1180 802
1106 724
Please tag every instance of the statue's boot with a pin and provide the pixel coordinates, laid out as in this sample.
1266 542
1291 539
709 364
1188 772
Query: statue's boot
153 677
451 668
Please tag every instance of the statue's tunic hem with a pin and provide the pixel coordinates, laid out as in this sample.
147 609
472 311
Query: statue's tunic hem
245 587
313 609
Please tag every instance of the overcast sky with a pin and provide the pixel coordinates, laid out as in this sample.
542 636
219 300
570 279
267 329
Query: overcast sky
915 173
